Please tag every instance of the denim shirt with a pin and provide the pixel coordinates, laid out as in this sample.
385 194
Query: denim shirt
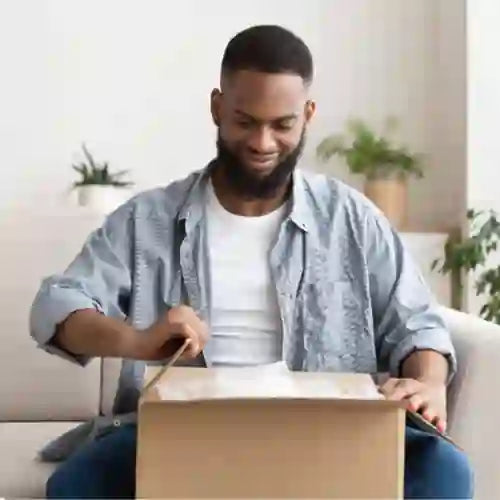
350 297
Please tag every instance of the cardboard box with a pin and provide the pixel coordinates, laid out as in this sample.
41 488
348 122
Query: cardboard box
267 433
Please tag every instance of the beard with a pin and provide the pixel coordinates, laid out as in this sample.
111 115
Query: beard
249 185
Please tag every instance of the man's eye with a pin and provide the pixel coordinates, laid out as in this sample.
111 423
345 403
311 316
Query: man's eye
244 124
286 125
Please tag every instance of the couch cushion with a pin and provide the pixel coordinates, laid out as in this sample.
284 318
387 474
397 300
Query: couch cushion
22 475
36 385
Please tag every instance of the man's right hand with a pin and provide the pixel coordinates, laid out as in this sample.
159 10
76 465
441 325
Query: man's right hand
163 338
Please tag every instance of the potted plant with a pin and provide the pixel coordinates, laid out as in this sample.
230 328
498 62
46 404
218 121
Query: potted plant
470 255
385 166
98 188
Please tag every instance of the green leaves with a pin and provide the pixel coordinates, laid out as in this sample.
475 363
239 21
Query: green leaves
369 154
471 254
92 173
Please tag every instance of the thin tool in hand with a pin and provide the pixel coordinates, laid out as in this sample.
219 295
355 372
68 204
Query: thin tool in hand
164 368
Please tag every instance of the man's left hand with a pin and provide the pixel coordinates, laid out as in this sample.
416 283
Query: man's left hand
426 397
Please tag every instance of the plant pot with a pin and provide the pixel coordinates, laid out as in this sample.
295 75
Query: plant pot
390 194
102 198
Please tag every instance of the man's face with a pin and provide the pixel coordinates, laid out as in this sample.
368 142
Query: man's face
262 119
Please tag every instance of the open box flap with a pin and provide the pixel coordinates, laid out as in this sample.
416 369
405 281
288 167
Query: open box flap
263 382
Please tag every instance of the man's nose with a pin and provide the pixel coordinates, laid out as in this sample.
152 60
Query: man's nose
262 141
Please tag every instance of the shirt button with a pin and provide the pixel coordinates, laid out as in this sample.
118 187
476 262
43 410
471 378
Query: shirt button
116 422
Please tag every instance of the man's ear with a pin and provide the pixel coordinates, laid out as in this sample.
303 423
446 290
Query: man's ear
215 104
310 110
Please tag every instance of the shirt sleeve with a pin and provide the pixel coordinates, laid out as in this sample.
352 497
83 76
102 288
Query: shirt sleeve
405 313
98 278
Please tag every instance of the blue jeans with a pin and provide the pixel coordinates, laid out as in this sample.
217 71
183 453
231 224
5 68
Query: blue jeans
105 468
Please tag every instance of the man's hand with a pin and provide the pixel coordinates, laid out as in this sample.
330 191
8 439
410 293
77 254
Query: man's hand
426 397
162 339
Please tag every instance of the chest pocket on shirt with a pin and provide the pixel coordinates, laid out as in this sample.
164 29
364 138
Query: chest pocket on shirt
343 309
332 322
333 302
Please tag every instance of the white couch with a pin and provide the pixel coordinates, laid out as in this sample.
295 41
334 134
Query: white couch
41 396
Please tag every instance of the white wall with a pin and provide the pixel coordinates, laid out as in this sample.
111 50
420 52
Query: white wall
483 114
132 79
405 58
445 188
483 104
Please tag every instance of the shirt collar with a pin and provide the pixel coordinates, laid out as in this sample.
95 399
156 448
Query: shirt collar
192 210
300 213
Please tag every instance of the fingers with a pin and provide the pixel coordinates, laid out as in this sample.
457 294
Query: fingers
185 323
429 414
416 397
399 389
202 330
416 403
185 331
440 423
432 416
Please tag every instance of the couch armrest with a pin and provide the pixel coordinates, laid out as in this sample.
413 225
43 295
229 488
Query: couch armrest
474 406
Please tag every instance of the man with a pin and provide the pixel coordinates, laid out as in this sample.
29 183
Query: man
254 262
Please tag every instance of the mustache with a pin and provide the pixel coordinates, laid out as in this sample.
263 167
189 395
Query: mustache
247 183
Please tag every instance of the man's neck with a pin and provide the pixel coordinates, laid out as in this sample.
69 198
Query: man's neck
238 205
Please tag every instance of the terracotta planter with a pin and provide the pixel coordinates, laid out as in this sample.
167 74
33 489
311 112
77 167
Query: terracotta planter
390 194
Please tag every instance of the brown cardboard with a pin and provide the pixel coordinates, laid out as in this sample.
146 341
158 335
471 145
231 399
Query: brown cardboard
239 433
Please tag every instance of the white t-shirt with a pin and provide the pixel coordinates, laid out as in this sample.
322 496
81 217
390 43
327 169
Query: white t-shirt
245 319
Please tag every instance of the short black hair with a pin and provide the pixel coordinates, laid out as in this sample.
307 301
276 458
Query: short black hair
269 49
